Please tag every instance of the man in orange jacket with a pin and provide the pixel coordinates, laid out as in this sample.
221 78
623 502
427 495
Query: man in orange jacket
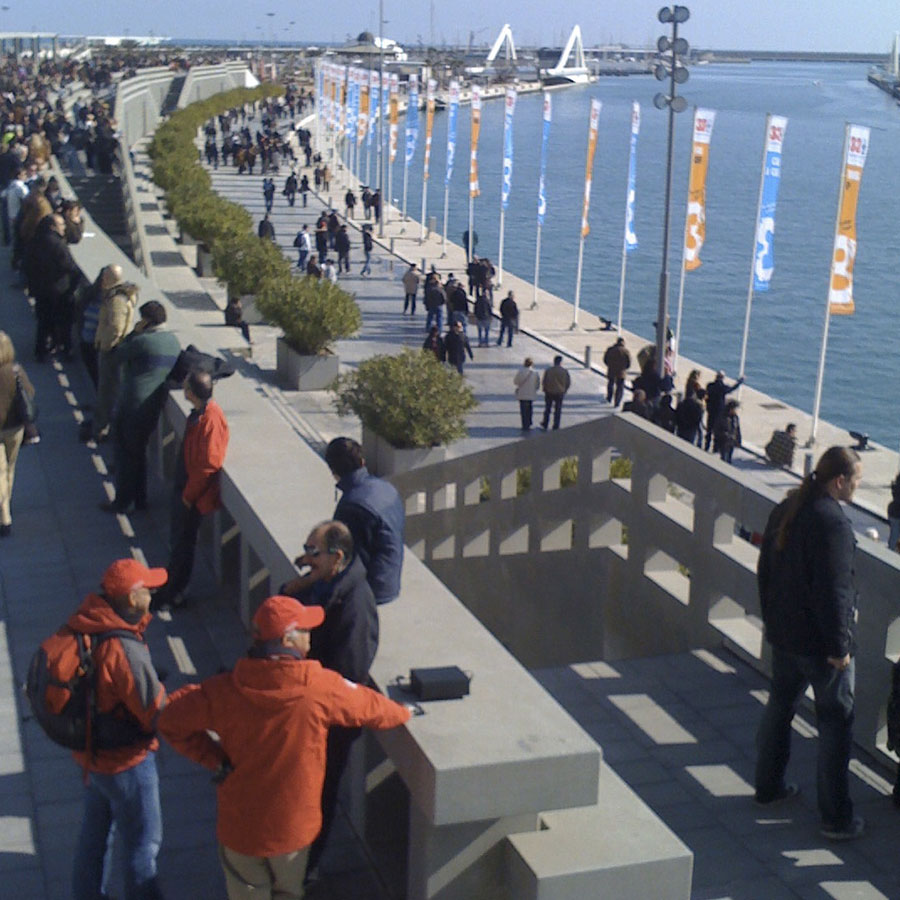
271 716
122 786
196 483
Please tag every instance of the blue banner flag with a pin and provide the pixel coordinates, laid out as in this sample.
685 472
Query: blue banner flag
545 138
412 117
452 116
764 258
506 186
373 107
631 241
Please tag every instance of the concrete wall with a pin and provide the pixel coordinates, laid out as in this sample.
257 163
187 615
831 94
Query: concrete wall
138 103
204 81
610 568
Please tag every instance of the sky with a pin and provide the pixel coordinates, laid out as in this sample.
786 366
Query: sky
824 25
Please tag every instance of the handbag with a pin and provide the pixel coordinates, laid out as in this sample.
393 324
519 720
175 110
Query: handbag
23 412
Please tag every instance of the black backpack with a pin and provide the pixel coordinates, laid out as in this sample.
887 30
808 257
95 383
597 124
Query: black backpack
61 692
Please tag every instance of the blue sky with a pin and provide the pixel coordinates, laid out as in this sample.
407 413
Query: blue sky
738 24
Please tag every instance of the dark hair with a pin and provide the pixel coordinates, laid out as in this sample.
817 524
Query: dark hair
557 360
344 455
337 537
200 384
833 463
153 311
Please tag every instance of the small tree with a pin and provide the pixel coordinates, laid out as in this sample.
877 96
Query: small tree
246 263
411 399
313 313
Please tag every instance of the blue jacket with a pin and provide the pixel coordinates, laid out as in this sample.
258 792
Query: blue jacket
373 511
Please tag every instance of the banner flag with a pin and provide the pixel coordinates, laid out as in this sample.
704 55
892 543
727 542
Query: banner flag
764 257
452 117
695 225
374 106
506 185
386 107
352 106
545 139
395 89
631 241
429 124
412 117
363 106
840 293
594 127
474 190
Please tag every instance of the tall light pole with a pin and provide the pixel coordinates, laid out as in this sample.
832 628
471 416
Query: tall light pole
677 74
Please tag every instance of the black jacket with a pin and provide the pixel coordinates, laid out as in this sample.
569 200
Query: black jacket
48 263
348 638
806 591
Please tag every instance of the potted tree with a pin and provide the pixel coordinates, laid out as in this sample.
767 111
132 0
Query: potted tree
410 405
245 263
312 314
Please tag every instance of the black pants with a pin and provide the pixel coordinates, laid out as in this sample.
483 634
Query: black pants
89 358
525 410
43 313
340 742
615 386
554 402
409 303
133 430
185 523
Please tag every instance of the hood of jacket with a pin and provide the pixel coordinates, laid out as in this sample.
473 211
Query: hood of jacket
270 683
96 614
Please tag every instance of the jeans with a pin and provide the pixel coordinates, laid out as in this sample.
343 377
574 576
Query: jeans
484 331
525 411
554 402
367 267
834 698
435 316
302 257
127 805
506 325
615 386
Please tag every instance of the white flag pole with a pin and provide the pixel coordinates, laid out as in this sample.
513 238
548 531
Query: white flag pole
687 206
537 267
762 181
500 252
837 222
578 283
446 208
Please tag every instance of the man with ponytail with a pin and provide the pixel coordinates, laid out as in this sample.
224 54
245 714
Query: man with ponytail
808 602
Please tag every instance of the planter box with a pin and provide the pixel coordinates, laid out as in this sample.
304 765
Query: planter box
384 460
305 373
204 261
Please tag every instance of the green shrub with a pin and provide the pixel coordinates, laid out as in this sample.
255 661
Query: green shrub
411 399
620 467
568 472
313 313
246 263
523 480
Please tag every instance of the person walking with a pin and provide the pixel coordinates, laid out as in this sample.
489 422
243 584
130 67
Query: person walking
483 316
304 246
196 487
527 383
304 188
342 246
13 379
435 343
290 188
368 244
728 431
556 383
435 298
456 346
121 790
268 189
266 229
809 607
411 288
349 202
617 360
271 717
509 319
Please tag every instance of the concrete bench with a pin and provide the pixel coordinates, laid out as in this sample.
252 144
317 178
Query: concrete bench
617 850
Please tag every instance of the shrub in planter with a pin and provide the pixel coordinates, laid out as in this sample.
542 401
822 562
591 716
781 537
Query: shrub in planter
410 399
312 313
245 263
209 218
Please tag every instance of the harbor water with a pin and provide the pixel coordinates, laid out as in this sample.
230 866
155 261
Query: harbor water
787 321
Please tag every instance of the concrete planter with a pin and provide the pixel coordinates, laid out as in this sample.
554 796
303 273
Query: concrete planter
204 261
185 239
384 459
305 373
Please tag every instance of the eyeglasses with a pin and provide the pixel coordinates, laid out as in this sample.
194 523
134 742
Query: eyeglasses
311 551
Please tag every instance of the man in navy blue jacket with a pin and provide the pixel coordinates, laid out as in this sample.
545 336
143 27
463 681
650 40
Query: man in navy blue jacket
373 511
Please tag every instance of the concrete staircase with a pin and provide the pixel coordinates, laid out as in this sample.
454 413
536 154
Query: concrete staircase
171 98
101 196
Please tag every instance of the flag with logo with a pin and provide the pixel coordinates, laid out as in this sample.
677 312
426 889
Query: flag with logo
593 129
840 293
374 106
474 190
429 124
631 241
506 186
764 257
412 117
363 106
395 90
695 224
452 117
545 140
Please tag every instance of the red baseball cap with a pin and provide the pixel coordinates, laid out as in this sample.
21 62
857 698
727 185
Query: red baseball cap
279 615
124 575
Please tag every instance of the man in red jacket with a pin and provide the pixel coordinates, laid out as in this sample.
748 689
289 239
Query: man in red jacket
122 786
196 483
271 716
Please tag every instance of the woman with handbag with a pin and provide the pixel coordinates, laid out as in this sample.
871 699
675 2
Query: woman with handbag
16 411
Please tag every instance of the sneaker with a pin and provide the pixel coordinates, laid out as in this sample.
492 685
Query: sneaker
849 832
788 792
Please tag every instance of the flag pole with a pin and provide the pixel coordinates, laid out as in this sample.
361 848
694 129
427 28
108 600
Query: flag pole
446 208
578 284
687 218
762 180
500 252
622 284
821 373
537 267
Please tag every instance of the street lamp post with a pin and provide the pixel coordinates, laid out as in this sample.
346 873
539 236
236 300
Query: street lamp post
677 74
